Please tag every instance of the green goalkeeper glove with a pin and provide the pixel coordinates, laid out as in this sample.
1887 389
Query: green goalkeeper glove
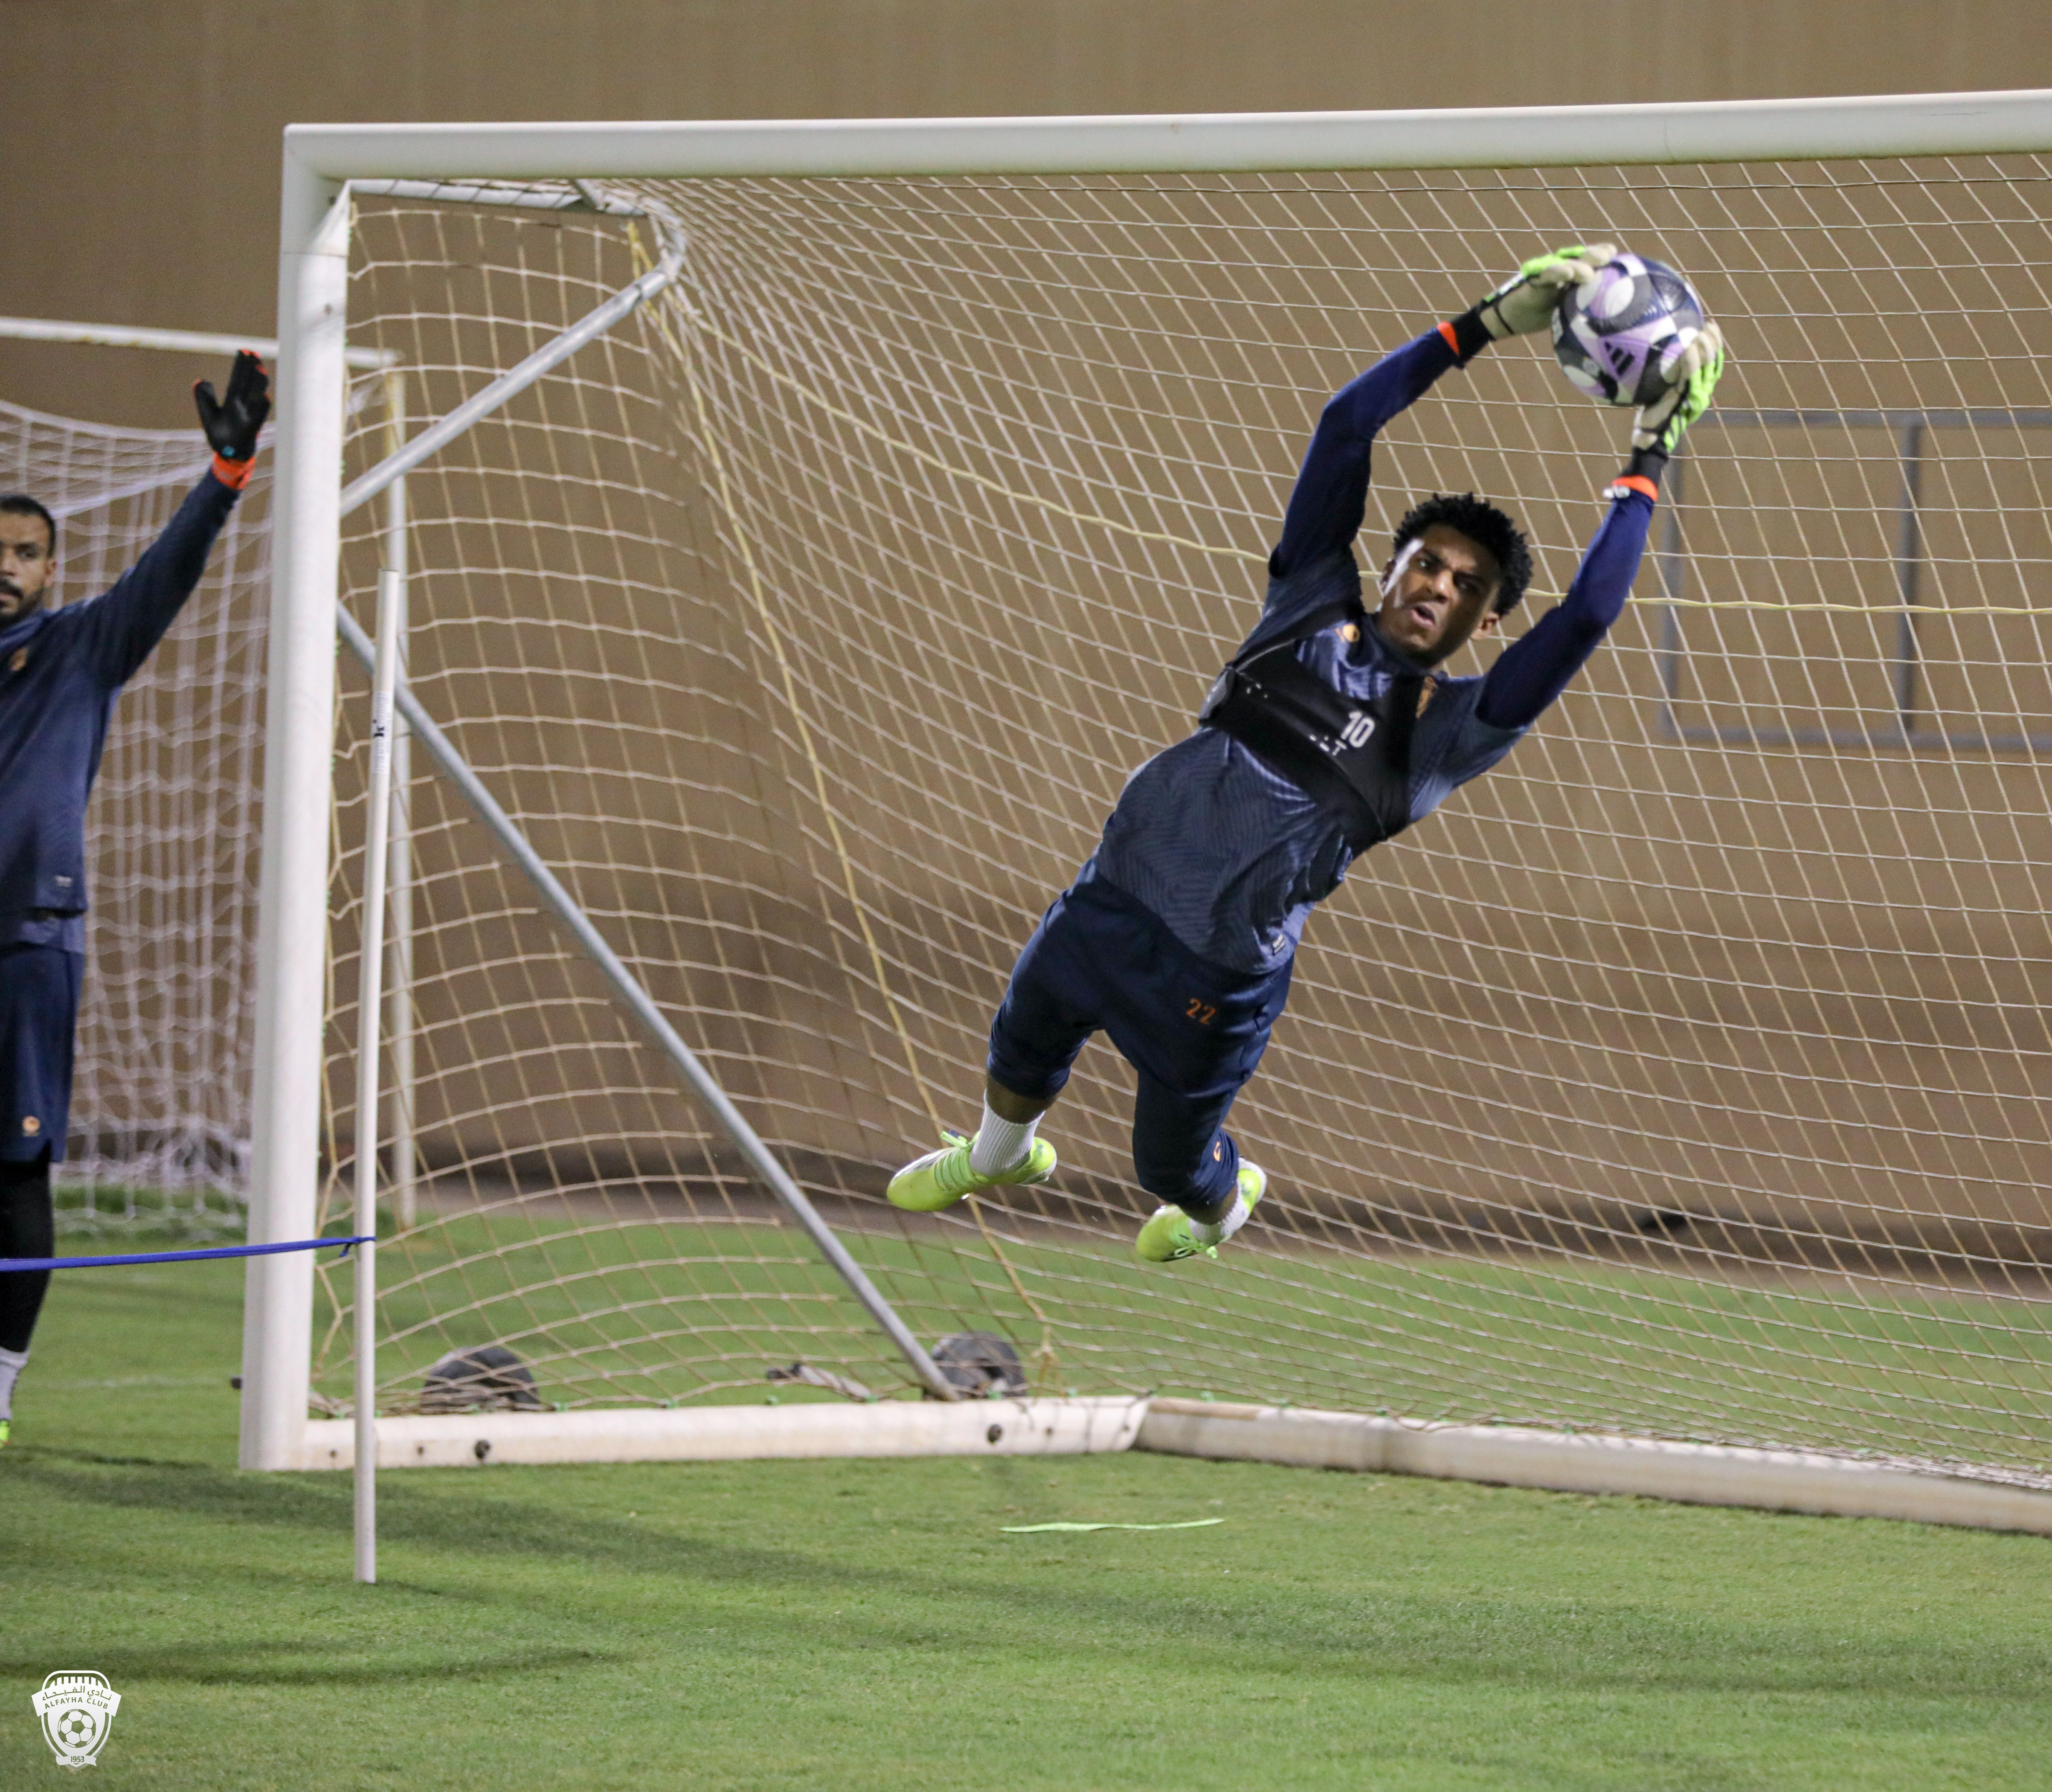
1658 428
1524 302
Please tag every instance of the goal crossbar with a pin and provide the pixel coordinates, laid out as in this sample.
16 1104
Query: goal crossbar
180 342
1521 136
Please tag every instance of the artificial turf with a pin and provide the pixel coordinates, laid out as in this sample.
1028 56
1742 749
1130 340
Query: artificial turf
869 1624
1776 1355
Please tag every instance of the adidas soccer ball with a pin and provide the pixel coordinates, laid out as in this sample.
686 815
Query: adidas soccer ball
1618 338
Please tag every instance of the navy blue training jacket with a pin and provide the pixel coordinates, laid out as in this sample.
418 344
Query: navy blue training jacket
1232 856
60 672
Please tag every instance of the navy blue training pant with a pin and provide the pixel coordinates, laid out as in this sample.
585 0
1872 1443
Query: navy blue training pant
39 986
28 1228
38 1015
1194 1032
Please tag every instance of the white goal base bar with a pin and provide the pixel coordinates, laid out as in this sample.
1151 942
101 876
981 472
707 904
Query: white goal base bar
735 1434
1570 1462
1506 1456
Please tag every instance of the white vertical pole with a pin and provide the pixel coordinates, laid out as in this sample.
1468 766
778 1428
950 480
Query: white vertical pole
299 721
376 837
399 883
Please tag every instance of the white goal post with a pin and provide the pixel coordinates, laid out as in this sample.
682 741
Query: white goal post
326 166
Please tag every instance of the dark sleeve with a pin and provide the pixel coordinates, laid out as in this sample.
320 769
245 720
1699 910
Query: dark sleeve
1536 668
1331 493
117 630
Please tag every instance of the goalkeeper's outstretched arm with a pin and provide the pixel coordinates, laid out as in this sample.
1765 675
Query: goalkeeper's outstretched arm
1534 670
119 630
1331 493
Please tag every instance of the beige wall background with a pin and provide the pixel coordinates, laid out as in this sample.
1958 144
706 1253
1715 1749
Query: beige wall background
139 183
139 175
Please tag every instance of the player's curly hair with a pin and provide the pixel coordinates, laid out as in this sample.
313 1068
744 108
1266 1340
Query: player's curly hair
1484 525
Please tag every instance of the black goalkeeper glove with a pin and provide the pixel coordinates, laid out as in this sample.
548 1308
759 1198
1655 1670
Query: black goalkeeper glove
232 425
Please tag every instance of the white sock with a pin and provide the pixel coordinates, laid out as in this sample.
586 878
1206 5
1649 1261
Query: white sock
11 1364
1235 1218
1000 1144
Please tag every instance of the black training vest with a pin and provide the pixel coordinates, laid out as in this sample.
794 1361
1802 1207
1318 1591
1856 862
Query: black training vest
1352 757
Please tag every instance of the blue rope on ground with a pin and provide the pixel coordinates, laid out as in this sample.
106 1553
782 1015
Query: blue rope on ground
10 1263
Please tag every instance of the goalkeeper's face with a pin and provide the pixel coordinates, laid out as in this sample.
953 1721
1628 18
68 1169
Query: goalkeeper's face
1437 594
26 565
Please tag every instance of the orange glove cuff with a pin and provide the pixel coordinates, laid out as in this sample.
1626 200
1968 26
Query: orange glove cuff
233 474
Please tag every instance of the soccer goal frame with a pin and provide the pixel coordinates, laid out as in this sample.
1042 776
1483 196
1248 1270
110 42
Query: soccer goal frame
322 162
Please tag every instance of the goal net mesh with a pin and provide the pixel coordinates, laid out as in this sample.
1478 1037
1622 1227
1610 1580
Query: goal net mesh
1681 1077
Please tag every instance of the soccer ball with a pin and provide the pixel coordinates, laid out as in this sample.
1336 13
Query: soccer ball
1618 338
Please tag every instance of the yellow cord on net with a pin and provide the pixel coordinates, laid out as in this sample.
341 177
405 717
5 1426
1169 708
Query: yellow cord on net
1045 1357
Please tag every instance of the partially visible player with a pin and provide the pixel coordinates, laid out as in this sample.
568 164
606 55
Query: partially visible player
61 670
1331 730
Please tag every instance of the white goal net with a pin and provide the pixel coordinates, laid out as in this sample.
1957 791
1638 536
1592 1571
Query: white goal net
1681 1077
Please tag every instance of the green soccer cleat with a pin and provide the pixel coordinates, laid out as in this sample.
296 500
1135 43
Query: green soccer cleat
5 1426
941 1178
1166 1237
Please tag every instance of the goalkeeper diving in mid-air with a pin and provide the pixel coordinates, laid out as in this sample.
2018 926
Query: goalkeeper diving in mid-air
1331 730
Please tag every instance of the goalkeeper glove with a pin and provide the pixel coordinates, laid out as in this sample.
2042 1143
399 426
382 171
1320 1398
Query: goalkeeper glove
232 424
1659 427
1524 302
1656 431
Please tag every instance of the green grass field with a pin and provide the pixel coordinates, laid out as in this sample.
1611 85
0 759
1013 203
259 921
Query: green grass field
645 1313
870 1625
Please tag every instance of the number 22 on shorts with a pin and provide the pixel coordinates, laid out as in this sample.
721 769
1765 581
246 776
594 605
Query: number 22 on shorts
1203 1013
